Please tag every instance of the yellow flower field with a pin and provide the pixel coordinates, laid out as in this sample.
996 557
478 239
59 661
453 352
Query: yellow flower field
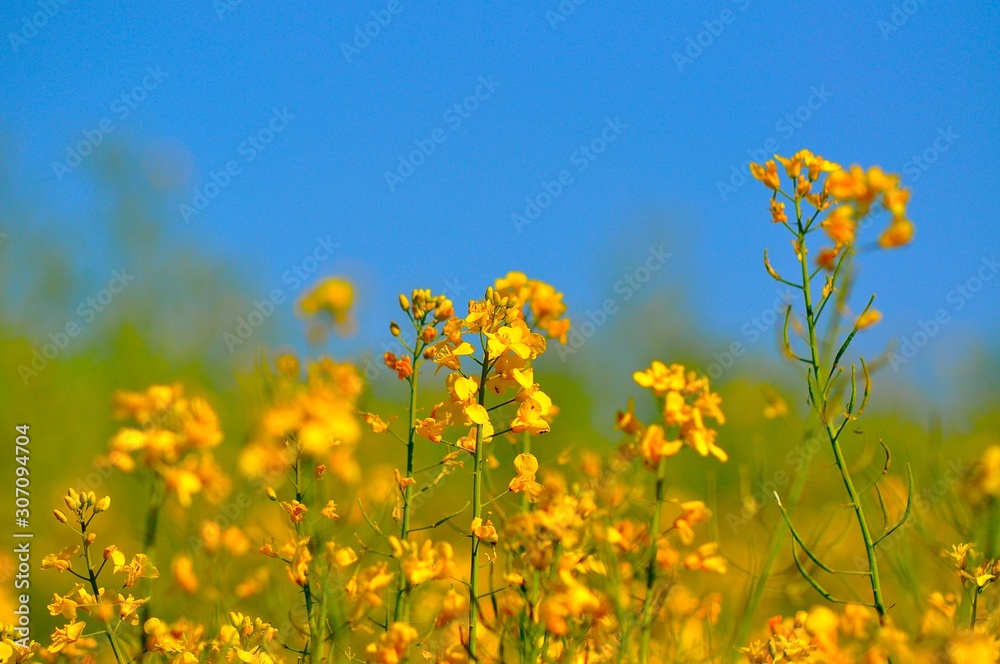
452 503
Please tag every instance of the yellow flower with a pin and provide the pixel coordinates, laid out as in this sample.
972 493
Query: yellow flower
430 429
869 318
477 414
627 421
693 513
61 560
141 567
899 233
391 646
706 558
63 606
127 607
454 606
184 483
376 423
184 577
484 531
841 225
512 338
334 296
66 635
425 561
792 166
768 174
655 446
296 510
529 418
778 215
298 568
524 481
330 510
659 378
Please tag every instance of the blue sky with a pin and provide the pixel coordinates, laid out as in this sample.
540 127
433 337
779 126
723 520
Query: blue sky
302 119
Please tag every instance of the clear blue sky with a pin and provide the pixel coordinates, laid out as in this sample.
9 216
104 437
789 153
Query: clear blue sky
884 85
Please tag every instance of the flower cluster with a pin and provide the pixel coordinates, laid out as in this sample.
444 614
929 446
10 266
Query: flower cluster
106 606
313 412
172 436
686 403
851 193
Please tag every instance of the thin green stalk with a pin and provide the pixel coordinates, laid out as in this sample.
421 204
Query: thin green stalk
402 610
525 449
314 640
477 508
654 535
975 607
156 497
92 577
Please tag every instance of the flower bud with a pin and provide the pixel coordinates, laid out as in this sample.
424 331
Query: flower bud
103 504
444 310
394 329
91 537
60 517
271 494
404 302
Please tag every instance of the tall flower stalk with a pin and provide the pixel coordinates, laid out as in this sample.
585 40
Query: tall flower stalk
684 403
425 312
851 195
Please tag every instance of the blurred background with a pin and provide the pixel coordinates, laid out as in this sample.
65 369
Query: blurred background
167 170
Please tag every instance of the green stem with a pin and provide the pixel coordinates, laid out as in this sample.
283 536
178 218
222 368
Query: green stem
525 449
92 577
654 536
477 508
313 644
975 606
156 498
821 404
402 611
